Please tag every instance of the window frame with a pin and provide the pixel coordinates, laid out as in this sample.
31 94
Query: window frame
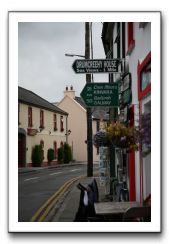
61 123
55 122
30 124
41 119
140 68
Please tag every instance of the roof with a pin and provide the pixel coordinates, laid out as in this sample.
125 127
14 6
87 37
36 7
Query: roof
28 97
97 113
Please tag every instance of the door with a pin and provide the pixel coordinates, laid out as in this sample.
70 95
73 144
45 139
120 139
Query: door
21 150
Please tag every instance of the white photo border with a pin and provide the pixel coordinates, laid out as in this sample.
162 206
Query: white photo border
82 16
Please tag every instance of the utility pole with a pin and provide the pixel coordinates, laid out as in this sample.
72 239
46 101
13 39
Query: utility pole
89 112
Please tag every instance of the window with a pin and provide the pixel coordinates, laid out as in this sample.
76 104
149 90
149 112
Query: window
61 124
55 149
61 144
29 117
144 77
41 119
131 42
55 122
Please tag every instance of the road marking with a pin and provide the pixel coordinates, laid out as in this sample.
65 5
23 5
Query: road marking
74 170
43 211
31 178
56 173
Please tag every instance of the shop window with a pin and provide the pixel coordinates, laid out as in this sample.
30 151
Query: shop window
55 122
29 117
144 77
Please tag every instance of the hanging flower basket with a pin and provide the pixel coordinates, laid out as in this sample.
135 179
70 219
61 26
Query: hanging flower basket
101 139
122 136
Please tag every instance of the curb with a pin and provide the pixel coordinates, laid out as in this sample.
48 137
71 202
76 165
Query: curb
47 207
47 167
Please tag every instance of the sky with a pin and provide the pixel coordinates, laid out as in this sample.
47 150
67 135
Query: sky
43 66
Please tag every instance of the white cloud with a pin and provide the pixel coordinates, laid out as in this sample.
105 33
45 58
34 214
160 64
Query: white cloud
43 66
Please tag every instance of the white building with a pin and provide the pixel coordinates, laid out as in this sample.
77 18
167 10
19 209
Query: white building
39 122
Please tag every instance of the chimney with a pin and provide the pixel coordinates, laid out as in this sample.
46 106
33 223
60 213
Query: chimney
69 93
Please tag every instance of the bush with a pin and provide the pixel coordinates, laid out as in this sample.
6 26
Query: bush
67 153
50 154
60 154
37 155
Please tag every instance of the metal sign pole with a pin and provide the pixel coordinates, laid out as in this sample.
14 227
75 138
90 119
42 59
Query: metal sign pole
89 113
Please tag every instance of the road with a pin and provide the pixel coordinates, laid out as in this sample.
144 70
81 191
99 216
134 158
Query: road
35 188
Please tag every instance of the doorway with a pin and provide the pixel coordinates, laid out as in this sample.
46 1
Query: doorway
21 150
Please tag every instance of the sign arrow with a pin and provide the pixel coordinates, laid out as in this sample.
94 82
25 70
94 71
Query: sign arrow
100 94
83 66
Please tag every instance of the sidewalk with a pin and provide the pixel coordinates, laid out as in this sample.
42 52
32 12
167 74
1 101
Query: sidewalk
66 210
36 169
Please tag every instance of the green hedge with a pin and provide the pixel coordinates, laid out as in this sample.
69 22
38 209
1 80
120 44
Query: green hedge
37 155
50 154
67 153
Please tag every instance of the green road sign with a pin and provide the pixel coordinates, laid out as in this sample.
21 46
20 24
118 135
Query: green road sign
100 94
83 66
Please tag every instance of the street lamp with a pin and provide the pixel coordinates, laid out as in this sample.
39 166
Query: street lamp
74 55
88 110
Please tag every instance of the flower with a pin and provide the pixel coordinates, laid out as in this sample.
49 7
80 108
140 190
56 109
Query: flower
122 136
101 139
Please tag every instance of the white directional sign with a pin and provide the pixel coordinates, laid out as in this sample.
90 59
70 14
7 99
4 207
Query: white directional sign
81 66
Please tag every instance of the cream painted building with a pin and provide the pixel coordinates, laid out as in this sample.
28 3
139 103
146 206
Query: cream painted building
39 122
77 124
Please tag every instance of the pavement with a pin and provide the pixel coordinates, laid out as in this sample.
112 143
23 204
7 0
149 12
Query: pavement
66 209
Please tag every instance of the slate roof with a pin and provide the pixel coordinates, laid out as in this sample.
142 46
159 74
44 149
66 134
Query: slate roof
28 97
97 113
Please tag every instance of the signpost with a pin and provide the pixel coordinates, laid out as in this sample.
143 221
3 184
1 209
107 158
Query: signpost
81 66
100 94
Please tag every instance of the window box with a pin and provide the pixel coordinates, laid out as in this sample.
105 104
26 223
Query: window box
41 128
31 132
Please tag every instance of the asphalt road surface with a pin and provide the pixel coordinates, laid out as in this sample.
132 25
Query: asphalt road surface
35 188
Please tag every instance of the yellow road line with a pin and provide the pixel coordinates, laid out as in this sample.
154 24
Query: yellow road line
48 205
